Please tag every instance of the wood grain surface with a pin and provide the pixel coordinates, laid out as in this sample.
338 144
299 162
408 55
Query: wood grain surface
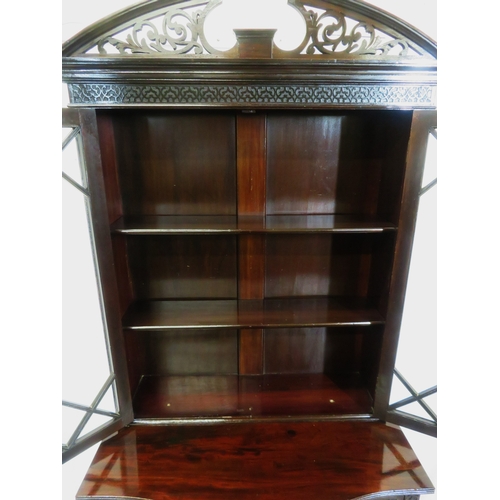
270 461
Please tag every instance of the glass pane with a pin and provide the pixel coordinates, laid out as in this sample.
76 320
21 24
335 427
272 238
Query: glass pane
415 409
432 402
416 358
71 161
70 420
398 391
85 361
95 422
107 403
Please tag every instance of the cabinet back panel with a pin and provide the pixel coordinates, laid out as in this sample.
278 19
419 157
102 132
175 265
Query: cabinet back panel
188 352
320 264
333 351
183 267
181 163
335 163
294 350
308 155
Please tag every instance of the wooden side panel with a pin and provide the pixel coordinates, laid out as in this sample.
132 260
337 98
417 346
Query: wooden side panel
109 167
415 160
114 206
123 278
390 143
135 360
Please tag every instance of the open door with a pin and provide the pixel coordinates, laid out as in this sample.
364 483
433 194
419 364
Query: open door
96 400
414 389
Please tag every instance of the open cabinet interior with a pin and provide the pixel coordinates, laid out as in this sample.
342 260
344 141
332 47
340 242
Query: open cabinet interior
272 303
253 212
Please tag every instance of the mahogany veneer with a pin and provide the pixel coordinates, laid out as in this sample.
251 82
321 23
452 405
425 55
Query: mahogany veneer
271 461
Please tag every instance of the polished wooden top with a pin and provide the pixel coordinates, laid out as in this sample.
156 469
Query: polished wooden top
269 461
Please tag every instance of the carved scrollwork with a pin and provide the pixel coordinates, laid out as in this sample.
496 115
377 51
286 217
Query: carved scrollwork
361 39
171 31
332 31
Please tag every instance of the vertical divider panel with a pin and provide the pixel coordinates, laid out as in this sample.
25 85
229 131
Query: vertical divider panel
251 175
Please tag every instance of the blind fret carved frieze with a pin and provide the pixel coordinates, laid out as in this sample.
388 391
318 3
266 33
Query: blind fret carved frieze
346 94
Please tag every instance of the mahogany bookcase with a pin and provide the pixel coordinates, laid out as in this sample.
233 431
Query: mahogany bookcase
253 212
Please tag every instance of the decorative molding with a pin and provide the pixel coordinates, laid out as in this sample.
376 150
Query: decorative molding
341 94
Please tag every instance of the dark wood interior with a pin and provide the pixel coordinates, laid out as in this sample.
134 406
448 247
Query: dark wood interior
253 256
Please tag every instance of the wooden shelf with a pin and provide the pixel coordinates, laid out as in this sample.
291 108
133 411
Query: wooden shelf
224 224
250 396
268 313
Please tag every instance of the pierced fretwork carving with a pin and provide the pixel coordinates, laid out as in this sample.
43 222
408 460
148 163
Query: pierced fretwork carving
173 30
331 30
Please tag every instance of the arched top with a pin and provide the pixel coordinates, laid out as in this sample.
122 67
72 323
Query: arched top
334 29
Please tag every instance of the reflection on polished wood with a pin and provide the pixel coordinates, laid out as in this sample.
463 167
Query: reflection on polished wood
250 396
193 224
270 313
269 461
